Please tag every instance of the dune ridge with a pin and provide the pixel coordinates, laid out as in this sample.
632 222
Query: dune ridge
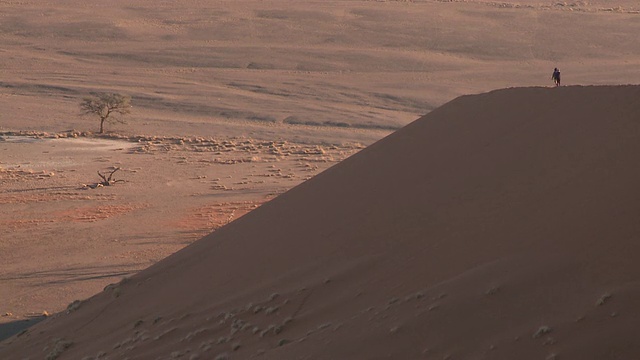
501 225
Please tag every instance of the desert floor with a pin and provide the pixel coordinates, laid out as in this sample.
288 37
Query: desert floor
235 102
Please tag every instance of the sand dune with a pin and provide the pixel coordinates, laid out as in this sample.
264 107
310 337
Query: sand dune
236 102
500 226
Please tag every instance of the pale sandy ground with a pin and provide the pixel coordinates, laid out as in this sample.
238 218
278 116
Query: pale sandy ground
63 241
243 73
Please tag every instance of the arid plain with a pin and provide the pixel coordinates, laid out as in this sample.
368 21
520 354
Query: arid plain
234 103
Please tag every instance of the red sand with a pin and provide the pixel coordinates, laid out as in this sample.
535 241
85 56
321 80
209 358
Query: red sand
499 226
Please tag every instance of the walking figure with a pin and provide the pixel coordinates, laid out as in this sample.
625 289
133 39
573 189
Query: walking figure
556 76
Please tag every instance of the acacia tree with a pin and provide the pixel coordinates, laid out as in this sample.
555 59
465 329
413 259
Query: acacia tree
105 105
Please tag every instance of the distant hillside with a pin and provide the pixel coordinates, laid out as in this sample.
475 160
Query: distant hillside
503 225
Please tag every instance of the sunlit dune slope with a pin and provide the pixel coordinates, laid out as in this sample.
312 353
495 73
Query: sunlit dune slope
503 225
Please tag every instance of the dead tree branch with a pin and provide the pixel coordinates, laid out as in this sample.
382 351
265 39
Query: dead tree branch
107 179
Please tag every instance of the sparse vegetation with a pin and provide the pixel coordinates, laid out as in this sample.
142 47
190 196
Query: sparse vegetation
278 329
603 299
104 105
59 347
493 290
293 120
271 310
222 356
107 179
269 328
206 346
542 330
165 333
73 306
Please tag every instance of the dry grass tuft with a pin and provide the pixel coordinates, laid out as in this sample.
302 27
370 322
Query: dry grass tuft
271 310
542 330
75 305
603 299
59 347
283 342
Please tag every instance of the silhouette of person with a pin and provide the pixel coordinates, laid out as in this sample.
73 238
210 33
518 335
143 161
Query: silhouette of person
556 76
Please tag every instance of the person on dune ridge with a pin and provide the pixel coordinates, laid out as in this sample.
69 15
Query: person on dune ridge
556 76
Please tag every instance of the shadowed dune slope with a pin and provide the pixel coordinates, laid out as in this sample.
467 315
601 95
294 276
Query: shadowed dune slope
503 225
